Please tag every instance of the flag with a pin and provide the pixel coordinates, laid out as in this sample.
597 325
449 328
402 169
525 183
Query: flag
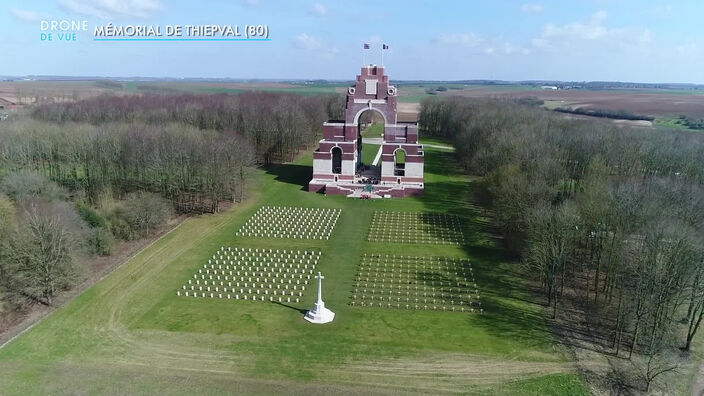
384 47
366 45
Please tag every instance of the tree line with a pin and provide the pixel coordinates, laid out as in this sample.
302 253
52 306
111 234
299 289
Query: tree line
194 169
605 113
78 177
277 125
613 213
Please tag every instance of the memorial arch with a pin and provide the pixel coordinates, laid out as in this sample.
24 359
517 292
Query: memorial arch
337 163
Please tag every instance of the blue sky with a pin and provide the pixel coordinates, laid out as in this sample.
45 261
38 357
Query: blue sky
625 40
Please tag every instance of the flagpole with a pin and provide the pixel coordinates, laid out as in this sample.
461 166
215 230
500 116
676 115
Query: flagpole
365 47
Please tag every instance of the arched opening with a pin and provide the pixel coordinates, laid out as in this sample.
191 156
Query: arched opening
336 160
400 162
370 126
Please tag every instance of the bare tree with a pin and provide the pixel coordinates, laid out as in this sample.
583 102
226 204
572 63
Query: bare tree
42 257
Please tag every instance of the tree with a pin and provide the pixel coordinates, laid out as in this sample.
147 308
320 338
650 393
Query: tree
42 259
27 184
658 361
550 234
695 310
620 210
7 217
145 211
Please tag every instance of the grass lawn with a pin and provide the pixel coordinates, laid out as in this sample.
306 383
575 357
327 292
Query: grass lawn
132 334
435 140
375 130
369 151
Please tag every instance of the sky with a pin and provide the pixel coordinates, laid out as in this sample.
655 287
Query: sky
573 40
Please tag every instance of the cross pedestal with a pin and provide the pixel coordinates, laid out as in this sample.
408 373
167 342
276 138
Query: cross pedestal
319 314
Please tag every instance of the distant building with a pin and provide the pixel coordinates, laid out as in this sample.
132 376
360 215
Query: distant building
549 87
337 163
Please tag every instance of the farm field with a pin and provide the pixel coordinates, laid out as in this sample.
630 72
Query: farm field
25 92
664 103
132 334
650 102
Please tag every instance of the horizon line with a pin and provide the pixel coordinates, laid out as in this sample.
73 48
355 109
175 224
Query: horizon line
59 77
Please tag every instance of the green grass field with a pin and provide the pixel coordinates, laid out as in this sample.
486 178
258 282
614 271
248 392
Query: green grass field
131 334
374 131
369 151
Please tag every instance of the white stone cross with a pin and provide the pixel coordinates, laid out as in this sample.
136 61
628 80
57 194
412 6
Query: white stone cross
320 278
319 314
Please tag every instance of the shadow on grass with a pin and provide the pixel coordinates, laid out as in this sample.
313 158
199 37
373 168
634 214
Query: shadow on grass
302 311
512 305
502 318
291 174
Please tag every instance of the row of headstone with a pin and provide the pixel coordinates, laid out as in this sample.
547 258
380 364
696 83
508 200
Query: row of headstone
447 301
415 227
417 307
243 297
422 258
390 289
387 279
262 272
262 290
291 222
270 278
252 281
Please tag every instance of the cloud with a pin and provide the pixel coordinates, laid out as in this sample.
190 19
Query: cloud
532 7
687 49
463 39
489 46
593 29
319 10
510 49
315 47
306 42
662 10
112 8
505 48
27 15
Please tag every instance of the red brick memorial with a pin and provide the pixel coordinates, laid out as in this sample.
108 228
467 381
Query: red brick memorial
337 163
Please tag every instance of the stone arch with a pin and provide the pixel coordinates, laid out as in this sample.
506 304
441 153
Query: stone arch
362 110
336 162
400 156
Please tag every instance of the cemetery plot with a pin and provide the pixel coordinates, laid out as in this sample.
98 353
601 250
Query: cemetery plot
291 222
417 283
415 227
254 274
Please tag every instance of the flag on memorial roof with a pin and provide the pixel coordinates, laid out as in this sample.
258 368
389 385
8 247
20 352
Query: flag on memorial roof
366 45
